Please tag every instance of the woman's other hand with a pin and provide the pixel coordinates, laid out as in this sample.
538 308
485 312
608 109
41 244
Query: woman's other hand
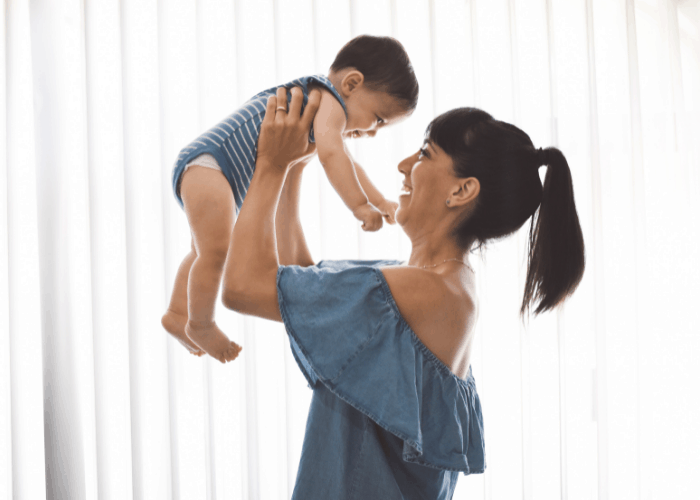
284 135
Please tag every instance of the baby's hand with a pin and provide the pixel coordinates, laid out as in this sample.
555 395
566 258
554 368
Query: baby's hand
388 210
369 215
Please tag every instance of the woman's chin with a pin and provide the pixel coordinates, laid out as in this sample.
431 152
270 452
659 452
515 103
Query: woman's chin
398 218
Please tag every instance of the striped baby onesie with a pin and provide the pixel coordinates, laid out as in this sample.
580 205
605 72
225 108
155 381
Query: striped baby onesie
234 140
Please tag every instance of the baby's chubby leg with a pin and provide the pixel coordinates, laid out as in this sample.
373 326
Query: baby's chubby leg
175 318
209 206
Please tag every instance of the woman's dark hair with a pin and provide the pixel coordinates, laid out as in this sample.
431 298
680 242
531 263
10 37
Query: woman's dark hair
385 65
506 164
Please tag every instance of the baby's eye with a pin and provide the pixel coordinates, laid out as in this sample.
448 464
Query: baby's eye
379 121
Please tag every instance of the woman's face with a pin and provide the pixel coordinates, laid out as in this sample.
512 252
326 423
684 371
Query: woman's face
427 184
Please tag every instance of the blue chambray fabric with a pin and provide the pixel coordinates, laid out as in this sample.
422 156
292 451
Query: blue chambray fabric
387 418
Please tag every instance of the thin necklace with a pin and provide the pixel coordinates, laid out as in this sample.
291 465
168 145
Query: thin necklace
447 260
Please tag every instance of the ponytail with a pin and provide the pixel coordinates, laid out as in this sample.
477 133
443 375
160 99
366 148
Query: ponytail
505 162
556 255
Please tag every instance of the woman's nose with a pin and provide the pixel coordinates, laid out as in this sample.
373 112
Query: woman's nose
406 165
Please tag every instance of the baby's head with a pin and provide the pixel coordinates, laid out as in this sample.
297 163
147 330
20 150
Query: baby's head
376 80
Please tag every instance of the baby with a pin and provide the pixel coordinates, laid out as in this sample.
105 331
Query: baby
371 84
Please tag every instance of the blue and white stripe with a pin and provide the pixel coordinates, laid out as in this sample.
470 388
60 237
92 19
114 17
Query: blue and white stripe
234 141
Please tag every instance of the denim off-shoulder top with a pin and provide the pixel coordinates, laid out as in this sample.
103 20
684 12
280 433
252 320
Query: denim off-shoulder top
388 419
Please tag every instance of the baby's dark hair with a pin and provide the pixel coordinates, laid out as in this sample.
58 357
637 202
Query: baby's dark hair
385 65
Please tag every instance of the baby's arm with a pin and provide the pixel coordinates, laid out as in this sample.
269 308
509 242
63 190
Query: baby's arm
376 198
329 124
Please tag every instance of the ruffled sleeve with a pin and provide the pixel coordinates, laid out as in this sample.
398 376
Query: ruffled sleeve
347 333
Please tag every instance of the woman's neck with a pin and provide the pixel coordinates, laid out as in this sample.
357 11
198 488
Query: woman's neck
430 251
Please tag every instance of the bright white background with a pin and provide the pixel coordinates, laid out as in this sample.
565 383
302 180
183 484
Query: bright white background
596 401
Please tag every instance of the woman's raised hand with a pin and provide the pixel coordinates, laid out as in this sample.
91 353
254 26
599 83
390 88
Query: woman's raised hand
284 135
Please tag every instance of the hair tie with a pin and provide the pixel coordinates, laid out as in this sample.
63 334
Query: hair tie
542 157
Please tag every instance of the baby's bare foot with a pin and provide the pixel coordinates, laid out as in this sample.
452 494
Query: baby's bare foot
213 341
174 324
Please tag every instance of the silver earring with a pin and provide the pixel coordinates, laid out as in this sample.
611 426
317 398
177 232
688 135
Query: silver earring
447 203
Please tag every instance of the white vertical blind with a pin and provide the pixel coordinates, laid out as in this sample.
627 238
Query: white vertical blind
96 401
5 389
103 73
26 476
153 410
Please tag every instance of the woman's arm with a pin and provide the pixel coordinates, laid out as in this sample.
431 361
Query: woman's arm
250 276
291 243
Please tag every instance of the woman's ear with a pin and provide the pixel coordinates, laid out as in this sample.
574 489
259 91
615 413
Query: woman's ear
465 192
352 81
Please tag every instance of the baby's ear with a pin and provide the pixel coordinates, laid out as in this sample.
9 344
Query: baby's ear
352 81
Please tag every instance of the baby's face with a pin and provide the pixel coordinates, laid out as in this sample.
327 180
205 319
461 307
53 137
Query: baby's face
370 110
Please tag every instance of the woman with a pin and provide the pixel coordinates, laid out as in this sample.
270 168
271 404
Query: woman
386 347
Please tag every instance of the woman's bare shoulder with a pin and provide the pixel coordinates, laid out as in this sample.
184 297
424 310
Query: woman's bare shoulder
441 314
415 289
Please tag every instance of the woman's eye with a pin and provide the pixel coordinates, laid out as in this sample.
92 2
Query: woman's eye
423 152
